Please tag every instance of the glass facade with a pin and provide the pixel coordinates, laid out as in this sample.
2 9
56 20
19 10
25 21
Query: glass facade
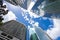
52 6
34 37
23 3
41 34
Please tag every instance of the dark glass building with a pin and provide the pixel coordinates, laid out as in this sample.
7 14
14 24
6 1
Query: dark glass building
52 6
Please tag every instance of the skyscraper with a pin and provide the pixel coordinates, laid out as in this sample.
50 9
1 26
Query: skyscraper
13 30
52 6
23 3
36 33
41 34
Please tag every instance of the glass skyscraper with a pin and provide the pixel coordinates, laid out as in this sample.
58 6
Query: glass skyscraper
36 33
22 3
52 6
41 34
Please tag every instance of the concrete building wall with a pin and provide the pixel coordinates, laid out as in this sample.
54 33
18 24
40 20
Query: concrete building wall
14 29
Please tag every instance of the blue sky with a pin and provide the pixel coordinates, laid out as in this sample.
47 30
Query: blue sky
46 23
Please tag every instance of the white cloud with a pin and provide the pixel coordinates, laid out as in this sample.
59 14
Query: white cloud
9 16
45 18
55 31
36 24
31 21
26 18
33 15
41 12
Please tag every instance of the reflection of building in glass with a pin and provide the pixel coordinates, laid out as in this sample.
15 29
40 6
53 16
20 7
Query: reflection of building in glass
13 30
